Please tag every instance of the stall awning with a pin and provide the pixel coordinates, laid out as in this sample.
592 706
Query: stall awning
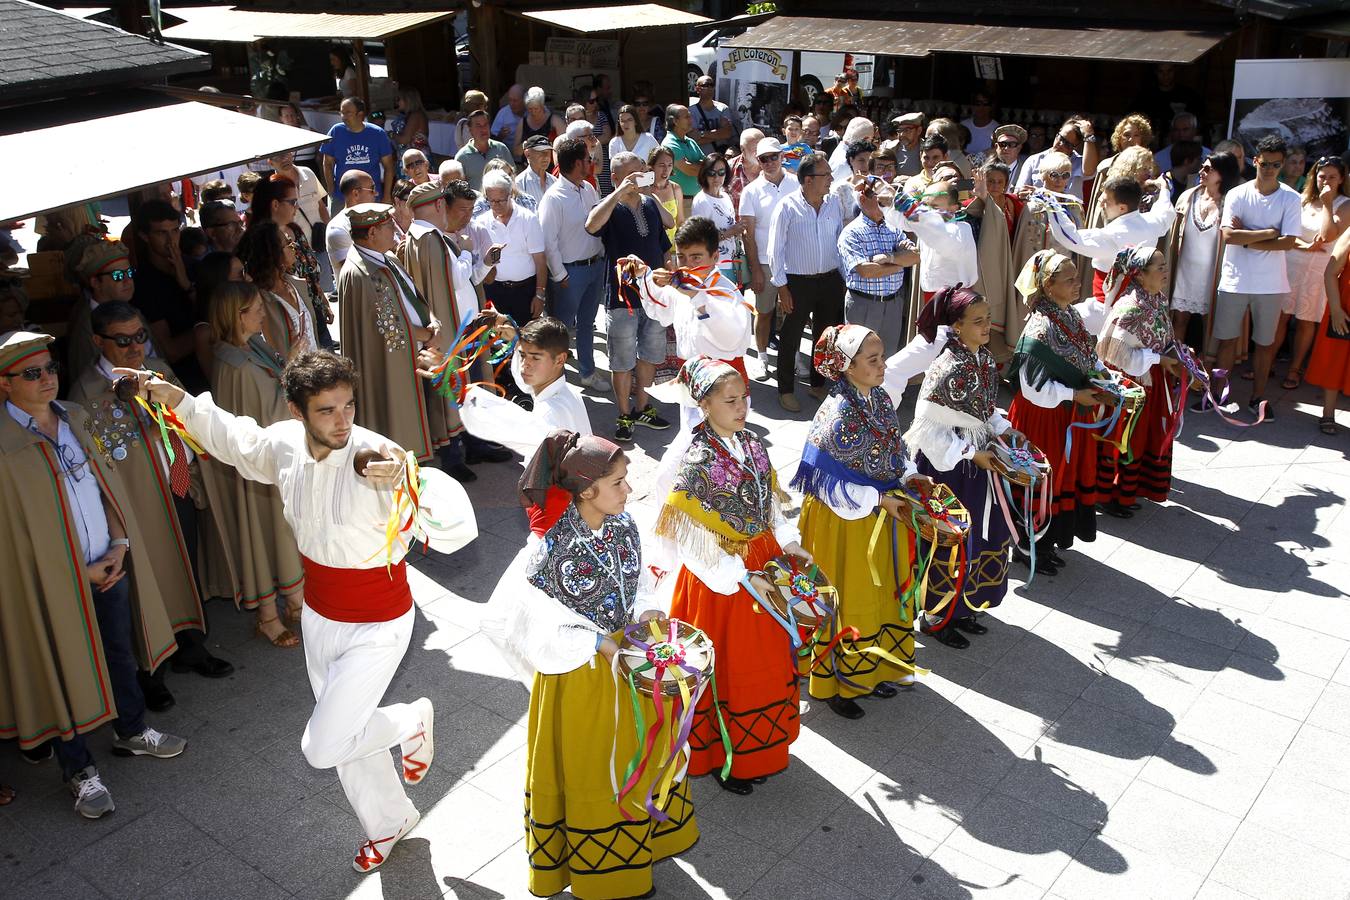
1119 44
116 154
226 23
594 19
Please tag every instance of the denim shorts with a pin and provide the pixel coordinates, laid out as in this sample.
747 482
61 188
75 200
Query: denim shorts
633 335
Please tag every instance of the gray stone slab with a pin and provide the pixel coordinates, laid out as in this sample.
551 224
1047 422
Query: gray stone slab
920 800
1231 787
1173 652
1319 755
319 842
146 854
1239 727
222 877
985 752
1332 710
952 875
1121 594
243 799
721 863
1145 876
1303 872
1203 620
1068 670
1213 890
52 882
1017 837
1179 832
1021 706
781 812
1302 809
1255 681
1117 739
791 881
1145 692
865 853
888 727
1293 646
1066 783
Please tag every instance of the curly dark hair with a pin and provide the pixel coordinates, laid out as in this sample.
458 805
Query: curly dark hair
314 372
262 250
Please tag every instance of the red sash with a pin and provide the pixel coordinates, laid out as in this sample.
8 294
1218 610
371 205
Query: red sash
357 595
1098 285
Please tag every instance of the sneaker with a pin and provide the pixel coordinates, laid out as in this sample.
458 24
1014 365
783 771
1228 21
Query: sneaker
789 403
150 743
755 368
650 418
419 750
623 428
596 382
372 854
92 799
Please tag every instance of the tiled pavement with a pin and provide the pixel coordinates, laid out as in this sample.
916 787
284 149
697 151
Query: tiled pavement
1170 718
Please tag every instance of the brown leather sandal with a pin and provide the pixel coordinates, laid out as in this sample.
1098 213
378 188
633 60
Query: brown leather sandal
286 639
293 613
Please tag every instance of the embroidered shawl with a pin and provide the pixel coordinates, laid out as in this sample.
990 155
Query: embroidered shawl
593 575
853 439
1056 346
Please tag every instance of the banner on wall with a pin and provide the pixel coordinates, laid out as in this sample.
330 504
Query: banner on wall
1304 101
755 84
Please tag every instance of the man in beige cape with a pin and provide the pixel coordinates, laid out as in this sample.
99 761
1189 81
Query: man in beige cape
79 614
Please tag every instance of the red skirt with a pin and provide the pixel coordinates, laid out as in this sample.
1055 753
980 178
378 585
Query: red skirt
1149 475
1099 284
1075 484
756 675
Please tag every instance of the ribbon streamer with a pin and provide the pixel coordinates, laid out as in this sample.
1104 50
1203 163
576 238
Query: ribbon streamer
168 421
451 376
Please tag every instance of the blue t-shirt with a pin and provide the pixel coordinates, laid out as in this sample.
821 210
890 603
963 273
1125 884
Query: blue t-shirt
357 150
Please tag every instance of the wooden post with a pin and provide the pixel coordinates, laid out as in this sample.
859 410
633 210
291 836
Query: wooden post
483 45
795 88
362 73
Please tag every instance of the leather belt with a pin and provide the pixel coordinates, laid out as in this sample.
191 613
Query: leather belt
584 262
880 298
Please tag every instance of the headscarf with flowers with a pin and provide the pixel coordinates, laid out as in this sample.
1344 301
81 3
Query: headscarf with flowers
836 348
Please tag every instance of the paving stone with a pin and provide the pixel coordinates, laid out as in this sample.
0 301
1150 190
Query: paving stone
1026 708
54 881
1259 735
1303 872
1293 646
721 864
1118 740
1017 837
1120 593
790 881
1091 626
888 727
1144 875
1302 809
1068 669
308 845
920 800
222 877
133 860
1202 620
952 875
1189 836
781 812
1332 710
866 849
1231 787
1240 590
1263 685
1213 890
1169 651
1146 692
1319 755
986 752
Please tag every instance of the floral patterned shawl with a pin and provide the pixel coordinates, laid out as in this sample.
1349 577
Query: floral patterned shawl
593 575
854 439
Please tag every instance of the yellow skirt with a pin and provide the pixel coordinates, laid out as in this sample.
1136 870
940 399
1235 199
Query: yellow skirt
574 832
840 547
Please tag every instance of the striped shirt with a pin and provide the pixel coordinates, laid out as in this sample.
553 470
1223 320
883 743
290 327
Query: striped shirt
861 240
802 240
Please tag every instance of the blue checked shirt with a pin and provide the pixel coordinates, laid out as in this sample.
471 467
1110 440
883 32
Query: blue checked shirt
861 240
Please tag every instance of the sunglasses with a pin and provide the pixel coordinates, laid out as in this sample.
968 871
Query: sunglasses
771 157
35 373
1057 174
415 164
1330 161
1008 145
120 274
292 201
720 173
126 340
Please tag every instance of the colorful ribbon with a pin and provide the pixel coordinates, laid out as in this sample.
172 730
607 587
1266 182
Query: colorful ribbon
1036 508
168 421
1196 370
452 377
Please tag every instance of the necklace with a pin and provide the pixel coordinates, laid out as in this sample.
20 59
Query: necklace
747 465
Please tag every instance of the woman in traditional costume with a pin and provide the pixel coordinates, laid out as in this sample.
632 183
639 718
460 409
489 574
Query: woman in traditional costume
1033 234
246 380
566 608
853 459
954 421
1134 339
724 518
1052 366
1329 365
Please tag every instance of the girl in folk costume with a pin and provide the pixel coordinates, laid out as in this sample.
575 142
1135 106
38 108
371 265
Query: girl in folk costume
710 319
1052 366
246 381
566 605
955 419
853 457
724 517
1137 332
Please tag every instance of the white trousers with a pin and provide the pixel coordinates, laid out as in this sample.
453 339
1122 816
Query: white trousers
350 666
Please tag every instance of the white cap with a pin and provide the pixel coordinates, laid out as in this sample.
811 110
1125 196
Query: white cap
767 146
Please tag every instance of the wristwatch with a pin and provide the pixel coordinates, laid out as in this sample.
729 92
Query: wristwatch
120 542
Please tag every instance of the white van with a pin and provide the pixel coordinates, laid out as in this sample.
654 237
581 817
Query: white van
818 69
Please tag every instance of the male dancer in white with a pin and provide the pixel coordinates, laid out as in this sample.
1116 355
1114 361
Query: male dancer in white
336 482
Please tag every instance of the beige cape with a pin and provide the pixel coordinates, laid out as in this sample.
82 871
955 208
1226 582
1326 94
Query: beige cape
54 677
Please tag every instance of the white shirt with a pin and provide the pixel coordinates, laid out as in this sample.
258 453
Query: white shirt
1030 172
804 240
530 183
337 516
466 270
310 195
723 214
981 136
522 236
645 144
338 238
723 330
82 489
414 318
494 418
1133 228
562 214
1248 271
759 199
948 254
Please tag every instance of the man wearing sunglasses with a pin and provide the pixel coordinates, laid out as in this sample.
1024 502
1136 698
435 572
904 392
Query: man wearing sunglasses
103 271
1008 143
756 208
70 597
162 492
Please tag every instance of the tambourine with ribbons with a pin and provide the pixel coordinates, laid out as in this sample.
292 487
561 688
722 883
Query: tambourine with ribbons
673 663
941 525
475 340
1195 371
802 597
1019 467
416 507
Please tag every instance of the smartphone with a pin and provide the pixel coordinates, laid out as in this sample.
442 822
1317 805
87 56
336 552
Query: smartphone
965 185
645 179
495 252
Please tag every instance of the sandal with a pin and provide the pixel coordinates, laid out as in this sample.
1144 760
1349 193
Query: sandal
292 614
1293 381
7 795
286 639
1328 425
1246 374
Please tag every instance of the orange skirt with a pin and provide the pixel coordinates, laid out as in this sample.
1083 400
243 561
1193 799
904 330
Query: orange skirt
756 675
1329 365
